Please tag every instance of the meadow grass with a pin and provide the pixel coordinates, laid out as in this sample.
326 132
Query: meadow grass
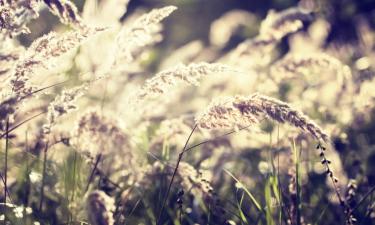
101 124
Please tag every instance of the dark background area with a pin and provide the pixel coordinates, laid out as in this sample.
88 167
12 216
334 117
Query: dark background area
193 19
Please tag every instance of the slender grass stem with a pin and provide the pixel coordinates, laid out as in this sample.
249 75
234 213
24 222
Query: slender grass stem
174 174
74 180
215 138
44 88
43 176
8 193
6 165
98 158
297 183
364 198
20 124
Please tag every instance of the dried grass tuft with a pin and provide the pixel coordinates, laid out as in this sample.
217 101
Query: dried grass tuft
243 111
66 11
190 74
63 104
42 52
143 32
14 15
100 208
97 134
305 64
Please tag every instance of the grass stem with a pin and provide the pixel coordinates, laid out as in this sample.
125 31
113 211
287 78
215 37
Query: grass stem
44 174
174 174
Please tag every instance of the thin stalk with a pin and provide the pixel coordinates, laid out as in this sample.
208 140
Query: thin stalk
44 88
74 180
44 176
346 208
7 132
213 139
174 173
364 198
278 176
98 158
298 191
6 166
8 193
27 177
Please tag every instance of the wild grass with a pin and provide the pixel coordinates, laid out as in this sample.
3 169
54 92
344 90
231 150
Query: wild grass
101 123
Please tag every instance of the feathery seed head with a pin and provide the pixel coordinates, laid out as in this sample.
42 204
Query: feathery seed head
143 32
66 11
277 25
190 74
100 208
41 53
273 29
302 64
243 111
14 15
221 113
63 104
96 134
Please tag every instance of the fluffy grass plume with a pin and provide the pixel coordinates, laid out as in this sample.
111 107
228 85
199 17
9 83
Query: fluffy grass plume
41 53
142 32
190 74
62 105
66 11
97 134
304 64
14 15
245 110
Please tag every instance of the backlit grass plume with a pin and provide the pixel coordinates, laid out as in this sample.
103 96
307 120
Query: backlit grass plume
306 64
97 134
14 15
41 53
142 32
65 10
276 26
190 74
62 105
245 110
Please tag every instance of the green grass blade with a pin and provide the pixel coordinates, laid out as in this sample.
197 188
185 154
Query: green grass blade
251 196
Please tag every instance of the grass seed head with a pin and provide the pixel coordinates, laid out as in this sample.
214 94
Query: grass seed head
100 208
243 111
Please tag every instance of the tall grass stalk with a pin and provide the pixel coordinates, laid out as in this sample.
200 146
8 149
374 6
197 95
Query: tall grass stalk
44 174
7 132
6 167
98 158
174 174
26 177
249 194
298 188
74 181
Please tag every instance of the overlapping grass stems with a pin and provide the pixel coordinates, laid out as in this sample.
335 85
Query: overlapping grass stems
109 146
